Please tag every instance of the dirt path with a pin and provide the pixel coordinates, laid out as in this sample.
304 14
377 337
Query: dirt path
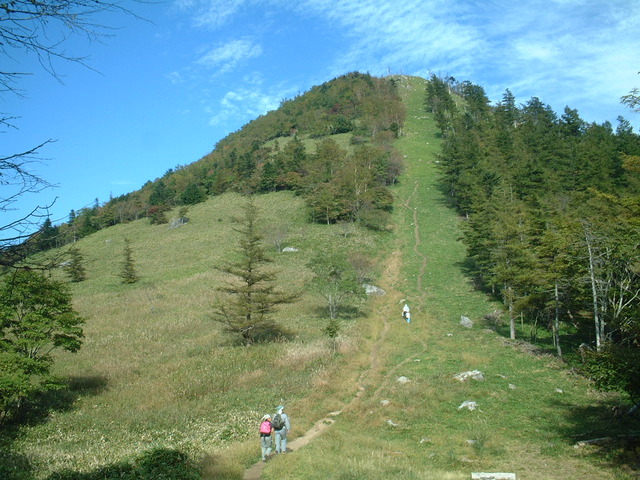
389 282
393 297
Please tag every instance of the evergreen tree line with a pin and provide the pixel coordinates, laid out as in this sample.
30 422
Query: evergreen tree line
268 154
552 221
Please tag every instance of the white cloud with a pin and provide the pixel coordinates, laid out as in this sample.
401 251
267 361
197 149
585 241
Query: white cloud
210 13
243 105
175 78
563 51
226 57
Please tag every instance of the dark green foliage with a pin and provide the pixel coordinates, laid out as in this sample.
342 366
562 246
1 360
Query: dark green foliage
157 464
615 368
247 304
128 274
161 194
36 318
439 101
192 194
75 267
46 237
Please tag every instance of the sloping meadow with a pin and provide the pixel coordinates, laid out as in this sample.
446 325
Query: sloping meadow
155 371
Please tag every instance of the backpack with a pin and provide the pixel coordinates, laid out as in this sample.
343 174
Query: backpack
265 427
278 422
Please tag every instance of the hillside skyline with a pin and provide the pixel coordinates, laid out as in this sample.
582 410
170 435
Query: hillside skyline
162 92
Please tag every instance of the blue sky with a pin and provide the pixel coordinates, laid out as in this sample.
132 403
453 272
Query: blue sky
161 93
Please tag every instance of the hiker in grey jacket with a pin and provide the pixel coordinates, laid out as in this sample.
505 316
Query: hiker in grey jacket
281 433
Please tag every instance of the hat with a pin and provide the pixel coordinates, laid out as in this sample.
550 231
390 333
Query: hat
267 416
280 409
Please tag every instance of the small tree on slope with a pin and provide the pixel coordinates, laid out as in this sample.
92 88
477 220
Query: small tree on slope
247 304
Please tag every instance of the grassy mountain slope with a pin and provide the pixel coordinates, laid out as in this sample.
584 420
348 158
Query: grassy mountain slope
156 372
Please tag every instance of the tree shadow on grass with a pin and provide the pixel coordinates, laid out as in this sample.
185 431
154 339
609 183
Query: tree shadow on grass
60 399
36 410
13 465
603 430
157 464
346 312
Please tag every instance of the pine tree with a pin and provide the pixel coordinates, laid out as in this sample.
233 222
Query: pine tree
128 273
75 268
247 304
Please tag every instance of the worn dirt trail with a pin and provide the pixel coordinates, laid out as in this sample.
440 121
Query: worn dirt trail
391 299
388 309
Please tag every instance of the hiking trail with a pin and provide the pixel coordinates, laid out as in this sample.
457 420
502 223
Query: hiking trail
389 281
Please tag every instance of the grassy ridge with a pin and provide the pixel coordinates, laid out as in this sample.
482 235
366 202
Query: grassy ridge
531 411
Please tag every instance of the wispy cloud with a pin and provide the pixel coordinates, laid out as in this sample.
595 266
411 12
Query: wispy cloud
563 51
225 58
210 13
246 102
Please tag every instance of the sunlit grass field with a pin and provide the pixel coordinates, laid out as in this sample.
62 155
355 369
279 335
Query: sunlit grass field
155 371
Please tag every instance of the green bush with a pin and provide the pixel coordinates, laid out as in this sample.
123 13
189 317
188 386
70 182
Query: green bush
615 368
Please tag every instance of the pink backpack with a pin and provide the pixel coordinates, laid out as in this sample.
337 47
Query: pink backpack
265 427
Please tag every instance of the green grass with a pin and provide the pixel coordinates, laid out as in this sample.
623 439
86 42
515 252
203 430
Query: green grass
156 373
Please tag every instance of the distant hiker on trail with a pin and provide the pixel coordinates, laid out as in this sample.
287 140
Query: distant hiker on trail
405 312
281 427
265 436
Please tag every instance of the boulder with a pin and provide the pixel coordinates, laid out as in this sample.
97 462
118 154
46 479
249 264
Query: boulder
466 322
373 290
472 374
469 405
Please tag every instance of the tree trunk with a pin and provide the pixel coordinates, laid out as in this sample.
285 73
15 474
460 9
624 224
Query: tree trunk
598 321
512 321
556 321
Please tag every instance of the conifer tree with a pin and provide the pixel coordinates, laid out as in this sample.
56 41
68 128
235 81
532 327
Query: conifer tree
128 272
75 268
247 304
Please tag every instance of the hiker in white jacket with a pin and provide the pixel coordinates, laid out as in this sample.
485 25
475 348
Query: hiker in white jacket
281 433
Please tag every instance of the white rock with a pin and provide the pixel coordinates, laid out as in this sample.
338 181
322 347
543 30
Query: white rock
492 476
469 405
466 322
473 374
